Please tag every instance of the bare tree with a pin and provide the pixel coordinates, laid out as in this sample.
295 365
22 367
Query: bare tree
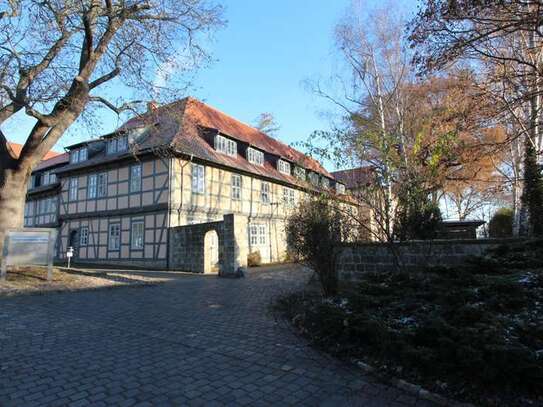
266 123
58 57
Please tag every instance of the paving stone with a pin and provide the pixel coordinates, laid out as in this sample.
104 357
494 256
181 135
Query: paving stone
166 346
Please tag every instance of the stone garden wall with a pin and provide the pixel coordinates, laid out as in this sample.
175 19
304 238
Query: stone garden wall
188 251
356 259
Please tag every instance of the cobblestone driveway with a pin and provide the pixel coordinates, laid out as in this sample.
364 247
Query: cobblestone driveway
194 341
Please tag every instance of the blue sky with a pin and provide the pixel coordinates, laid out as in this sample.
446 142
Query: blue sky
263 56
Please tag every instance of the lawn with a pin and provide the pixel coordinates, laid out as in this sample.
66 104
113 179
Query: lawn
33 279
473 333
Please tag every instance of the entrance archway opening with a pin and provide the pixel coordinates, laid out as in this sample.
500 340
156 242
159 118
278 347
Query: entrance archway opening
212 263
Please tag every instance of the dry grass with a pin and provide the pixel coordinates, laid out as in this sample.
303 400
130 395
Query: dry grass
33 279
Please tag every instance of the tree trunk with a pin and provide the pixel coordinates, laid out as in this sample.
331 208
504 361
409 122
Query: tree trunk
13 184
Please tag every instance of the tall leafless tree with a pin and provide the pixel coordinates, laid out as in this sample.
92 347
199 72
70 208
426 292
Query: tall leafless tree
57 57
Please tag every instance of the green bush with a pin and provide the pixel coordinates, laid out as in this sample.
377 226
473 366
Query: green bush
501 224
315 230
479 331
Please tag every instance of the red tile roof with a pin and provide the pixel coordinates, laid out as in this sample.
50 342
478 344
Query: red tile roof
51 158
180 125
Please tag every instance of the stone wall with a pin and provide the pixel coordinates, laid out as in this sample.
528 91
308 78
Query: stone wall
188 251
356 259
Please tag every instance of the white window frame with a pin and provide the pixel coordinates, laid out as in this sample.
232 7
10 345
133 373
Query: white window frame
45 178
300 173
101 185
84 236
283 167
325 182
288 196
137 242
255 156
265 192
258 234
225 145
340 188
52 178
198 179
236 183
135 178
314 178
78 155
122 144
52 205
73 189
111 147
83 154
114 237
92 186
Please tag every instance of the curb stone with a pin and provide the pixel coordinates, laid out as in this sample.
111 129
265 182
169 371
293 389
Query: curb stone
413 389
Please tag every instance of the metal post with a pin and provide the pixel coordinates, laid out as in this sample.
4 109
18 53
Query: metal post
50 254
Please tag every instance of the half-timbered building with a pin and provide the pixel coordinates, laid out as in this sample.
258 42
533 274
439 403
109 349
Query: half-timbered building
185 163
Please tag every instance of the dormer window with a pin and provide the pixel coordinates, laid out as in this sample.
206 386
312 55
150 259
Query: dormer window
314 178
255 156
225 145
299 172
117 145
325 182
78 155
340 188
283 167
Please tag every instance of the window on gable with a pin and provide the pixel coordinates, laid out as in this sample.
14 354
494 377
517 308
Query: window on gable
135 178
78 155
265 192
112 146
299 172
45 178
114 241
225 145
325 182
83 154
236 186
137 233
122 144
314 178
255 156
283 167
84 236
198 179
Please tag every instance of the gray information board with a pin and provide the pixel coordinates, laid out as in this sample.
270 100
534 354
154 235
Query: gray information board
29 246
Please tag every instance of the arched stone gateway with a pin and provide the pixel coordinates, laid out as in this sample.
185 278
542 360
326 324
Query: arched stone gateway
211 247
212 263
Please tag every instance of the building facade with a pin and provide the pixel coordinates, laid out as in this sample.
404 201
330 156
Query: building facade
116 199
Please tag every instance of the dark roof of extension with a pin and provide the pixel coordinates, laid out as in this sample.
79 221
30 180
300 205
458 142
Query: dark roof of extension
179 126
355 177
